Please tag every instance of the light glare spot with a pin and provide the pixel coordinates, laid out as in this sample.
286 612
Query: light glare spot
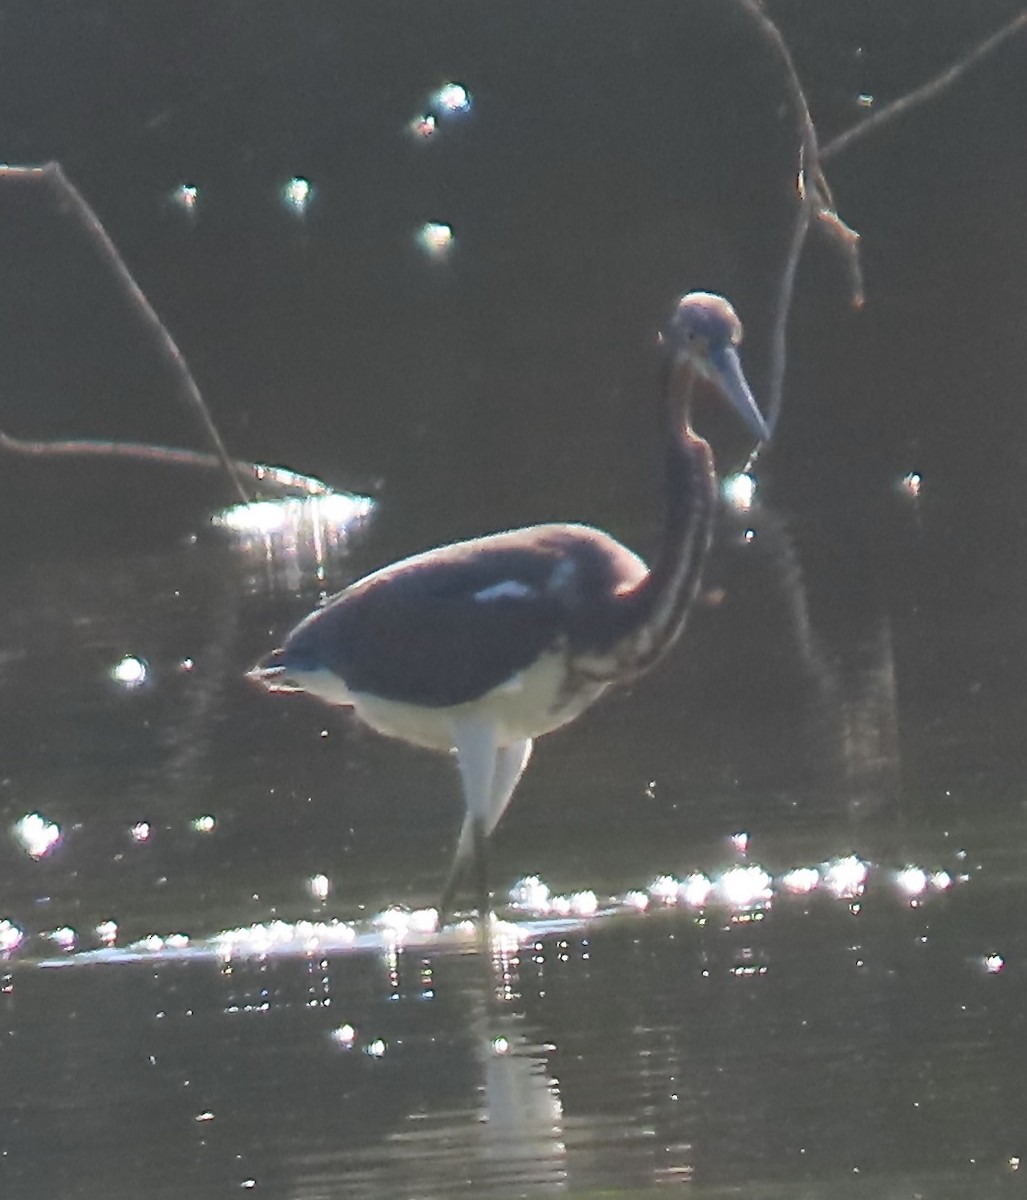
36 835
345 1035
846 877
204 824
377 1048
140 831
63 938
665 889
500 1046
337 512
394 921
742 887
584 904
695 889
530 893
319 886
11 936
436 239
130 672
739 490
423 127
186 196
993 963
296 194
740 841
424 920
910 484
912 880
801 880
453 98
107 932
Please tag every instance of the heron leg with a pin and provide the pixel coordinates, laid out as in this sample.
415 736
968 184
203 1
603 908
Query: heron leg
477 751
489 774
510 763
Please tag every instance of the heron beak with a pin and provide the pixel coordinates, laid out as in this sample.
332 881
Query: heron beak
270 674
726 372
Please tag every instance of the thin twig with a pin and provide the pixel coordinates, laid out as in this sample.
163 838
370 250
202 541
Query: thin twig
929 91
53 175
276 477
814 199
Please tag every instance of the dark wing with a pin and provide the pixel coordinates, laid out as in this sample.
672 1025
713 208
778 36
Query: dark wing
446 627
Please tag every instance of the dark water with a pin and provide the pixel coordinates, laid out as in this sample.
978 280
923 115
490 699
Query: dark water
850 695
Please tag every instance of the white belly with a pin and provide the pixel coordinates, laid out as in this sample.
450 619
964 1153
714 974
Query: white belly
529 705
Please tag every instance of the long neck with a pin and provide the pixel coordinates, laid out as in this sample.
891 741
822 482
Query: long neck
654 611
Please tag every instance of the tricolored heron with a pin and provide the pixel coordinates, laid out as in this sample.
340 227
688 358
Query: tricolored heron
482 646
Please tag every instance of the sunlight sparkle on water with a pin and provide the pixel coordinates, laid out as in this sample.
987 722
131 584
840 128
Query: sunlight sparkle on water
130 671
739 490
993 963
399 922
578 904
107 932
801 880
846 877
423 127
319 886
695 889
530 893
452 98
336 512
376 1049
912 880
283 937
11 936
910 485
665 889
204 824
140 831
36 835
743 887
186 196
344 1036
296 194
436 239
63 937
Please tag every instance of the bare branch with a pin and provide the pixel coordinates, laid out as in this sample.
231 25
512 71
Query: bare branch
73 200
928 92
814 199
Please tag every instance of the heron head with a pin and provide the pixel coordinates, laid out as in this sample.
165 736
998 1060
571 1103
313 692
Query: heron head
703 334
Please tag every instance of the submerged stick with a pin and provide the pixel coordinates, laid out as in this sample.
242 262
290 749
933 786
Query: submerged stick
276 477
